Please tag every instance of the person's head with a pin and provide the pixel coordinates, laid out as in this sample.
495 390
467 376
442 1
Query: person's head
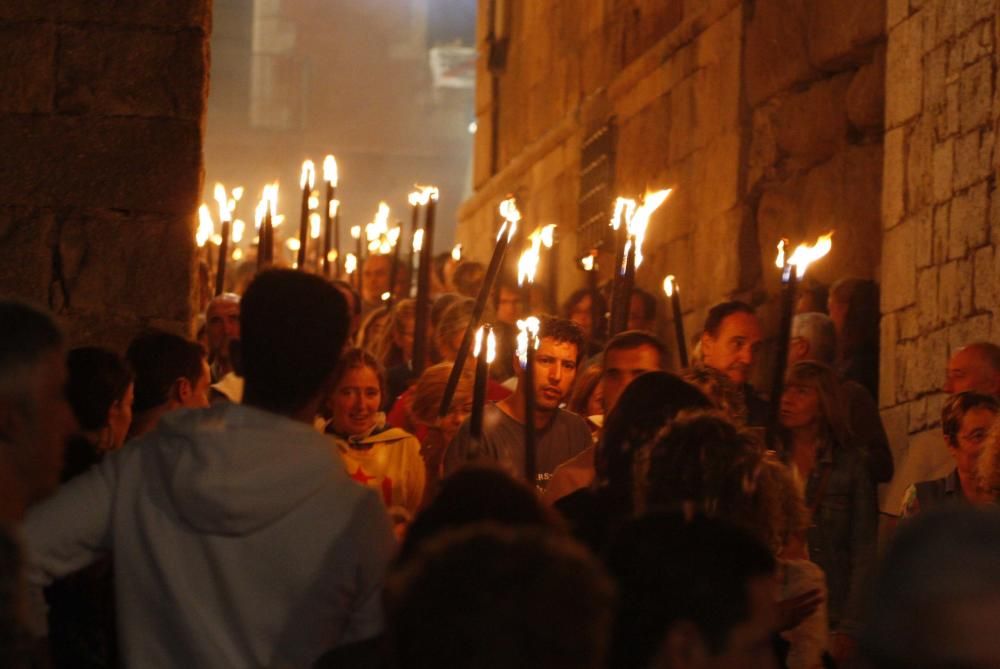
395 340
222 320
811 400
353 299
560 347
477 494
725 395
694 593
966 419
425 401
731 340
813 338
489 597
587 396
974 367
701 459
294 328
35 417
375 277
371 333
642 310
582 306
468 278
451 328
358 384
853 305
627 355
170 372
507 302
648 403
813 297
935 597
100 390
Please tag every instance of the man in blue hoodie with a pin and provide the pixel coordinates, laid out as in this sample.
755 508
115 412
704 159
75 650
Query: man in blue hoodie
238 537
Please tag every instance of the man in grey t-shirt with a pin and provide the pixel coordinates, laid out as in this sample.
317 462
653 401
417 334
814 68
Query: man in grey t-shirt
560 434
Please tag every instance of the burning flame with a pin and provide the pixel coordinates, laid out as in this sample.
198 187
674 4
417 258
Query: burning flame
588 263
526 328
548 235
237 254
423 195
356 231
669 287
237 193
636 218
350 263
456 252
330 170
491 344
268 202
377 231
803 255
511 215
206 226
223 202
239 227
334 208
217 239
418 241
386 295
332 255
624 210
314 200
308 175
277 220
315 225
293 244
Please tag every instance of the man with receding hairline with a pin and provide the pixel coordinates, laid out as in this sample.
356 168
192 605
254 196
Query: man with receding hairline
974 367
730 344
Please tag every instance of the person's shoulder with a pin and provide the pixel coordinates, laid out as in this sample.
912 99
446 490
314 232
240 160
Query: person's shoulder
572 420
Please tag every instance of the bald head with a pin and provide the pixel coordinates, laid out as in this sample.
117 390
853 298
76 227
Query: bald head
974 367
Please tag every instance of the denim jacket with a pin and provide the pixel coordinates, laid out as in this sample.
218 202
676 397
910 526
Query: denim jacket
844 532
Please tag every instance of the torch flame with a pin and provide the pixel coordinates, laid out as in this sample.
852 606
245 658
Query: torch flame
806 254
293 244
639 221
237 193
356 231
308 175
332 255
393 236
259 213
588 263
456 252
418 241
334 207
314 225
548 235
223 202
624 209
350 263
314 200
491 345
386 295
780 260
668 285
511 215
527 264
276 221
237 254
526 327
239 227
423 195
206 226
330 170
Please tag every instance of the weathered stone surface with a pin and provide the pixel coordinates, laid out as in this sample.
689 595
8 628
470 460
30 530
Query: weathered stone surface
27 53
134 164
898 271
841 33
25 253
131 73
776 51
944 170
986 279
893 177
810 126
866 94
973 157
902 68
159 13
975 95
969 226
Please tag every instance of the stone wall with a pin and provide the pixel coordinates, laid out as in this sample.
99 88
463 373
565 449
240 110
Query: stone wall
940 214
765 116
102 107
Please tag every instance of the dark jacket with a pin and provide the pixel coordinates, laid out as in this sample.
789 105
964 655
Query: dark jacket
843 536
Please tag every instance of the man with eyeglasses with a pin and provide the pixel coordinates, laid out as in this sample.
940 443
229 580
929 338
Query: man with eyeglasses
965 421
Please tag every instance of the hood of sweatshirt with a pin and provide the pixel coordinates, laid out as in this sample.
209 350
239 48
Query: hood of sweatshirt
233 469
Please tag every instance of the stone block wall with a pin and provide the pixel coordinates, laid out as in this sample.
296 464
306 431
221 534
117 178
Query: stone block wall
940 215
766 117
102 107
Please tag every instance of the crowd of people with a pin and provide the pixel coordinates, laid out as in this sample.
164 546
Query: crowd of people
283 490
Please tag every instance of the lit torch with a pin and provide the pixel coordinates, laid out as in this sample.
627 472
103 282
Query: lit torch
426 198
225 215
331 177
673 292
307 179
485 353
511 215
636 219
800 259
527 344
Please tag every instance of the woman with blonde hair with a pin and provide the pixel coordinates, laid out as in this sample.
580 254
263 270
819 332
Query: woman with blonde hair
423 404
838 491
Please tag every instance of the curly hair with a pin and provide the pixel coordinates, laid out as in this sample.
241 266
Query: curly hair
959 404
562 330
